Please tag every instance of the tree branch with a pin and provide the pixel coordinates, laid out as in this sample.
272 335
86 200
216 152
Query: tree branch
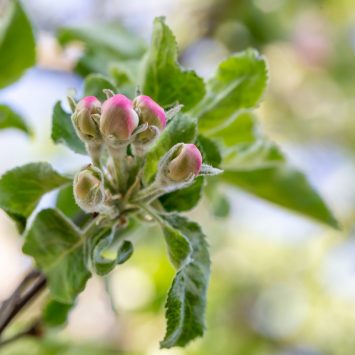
24 294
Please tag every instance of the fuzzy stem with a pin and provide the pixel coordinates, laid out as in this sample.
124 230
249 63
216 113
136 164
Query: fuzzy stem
94 150
119 161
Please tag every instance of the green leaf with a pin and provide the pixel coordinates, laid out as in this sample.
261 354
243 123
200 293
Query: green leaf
63 131
179 247
94 84
184 199
124 252
217 201
240 130
238 85
102 264
58 248
17 44
104 44
66 203
284 186
22 188
110 38
220 206
125 76
261 153
19 220
11 119
210 151
182 129
163 79
186 303
55 313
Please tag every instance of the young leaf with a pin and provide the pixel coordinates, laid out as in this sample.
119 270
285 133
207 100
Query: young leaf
186 303
63 131
22 188
238 85
105 44
179 247
182 129
66 203
261 153
111 39
210 150
163 79
103 265
94 84
242 129
220 206
58 249
125 76
11 119
17 44
184 199
55 313
284 186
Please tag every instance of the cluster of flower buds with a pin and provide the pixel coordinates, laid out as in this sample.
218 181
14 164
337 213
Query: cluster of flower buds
119 123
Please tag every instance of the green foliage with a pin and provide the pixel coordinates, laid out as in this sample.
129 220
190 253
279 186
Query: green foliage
11 119
22 188
184 199
181 129
94 84
261 153
63 131
105 44
102 264
185 306
163 79
65 202
284 186
242 129
125 76
179 248
55 313
59 250
221 124
50 346
17 44
210 150
238 84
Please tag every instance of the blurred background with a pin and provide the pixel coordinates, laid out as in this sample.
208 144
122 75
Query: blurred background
280 284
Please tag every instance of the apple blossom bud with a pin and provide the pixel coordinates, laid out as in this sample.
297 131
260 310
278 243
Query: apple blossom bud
89 190
85 118
149 111
186 163
118 119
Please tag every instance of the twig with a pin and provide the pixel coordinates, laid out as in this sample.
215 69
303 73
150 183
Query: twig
24 294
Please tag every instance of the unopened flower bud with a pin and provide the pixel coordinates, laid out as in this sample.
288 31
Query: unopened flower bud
118 119
89 190
185 164
149 111
85 118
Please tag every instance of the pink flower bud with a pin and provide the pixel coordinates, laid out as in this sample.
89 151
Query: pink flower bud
187 163
118 119
149 111
84 119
